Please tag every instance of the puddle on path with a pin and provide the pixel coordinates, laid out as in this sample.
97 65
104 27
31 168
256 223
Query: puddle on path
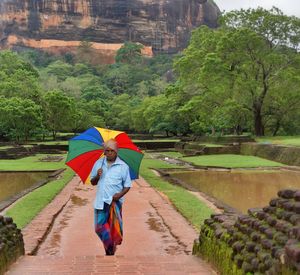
78 201
169 242
155 224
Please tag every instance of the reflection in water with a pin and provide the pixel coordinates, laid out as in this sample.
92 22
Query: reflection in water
241 189
13 183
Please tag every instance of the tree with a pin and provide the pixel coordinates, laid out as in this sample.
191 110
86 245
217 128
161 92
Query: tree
118 115
59 111
94 92
20 118
244 61
60 69
117 79
11 62
85 52
18 78
129 53
88 114
157 114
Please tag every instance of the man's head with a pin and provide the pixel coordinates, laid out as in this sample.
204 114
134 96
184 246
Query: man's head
110 149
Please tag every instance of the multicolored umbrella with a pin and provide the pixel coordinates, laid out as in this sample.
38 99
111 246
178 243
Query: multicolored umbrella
86 148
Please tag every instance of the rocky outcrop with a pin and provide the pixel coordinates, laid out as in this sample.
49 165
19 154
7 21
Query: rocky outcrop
163 25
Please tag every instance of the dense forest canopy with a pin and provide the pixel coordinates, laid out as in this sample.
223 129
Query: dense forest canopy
242 76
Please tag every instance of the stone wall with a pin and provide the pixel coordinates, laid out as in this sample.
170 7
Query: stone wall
196 149
11 243
266 241
284 154
153 145
220 139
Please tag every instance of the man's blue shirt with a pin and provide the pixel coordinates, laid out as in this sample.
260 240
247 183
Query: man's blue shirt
112 180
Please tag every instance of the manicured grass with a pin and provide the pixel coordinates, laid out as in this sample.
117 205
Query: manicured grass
29 206
172 154
231 161
284 140
10 146
186 203
32 163
155 140
212 145
62 142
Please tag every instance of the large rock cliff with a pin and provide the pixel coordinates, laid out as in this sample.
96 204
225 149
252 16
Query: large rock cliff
163 25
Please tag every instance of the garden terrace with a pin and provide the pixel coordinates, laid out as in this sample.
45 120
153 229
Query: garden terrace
285 154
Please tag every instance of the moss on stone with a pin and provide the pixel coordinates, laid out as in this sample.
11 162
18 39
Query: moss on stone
218 253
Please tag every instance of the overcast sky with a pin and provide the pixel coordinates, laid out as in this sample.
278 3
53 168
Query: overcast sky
289 7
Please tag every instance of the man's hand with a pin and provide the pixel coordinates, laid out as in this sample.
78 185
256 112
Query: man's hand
94 181
99 172
118 196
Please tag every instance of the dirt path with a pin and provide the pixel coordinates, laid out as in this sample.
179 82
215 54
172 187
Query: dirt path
157 239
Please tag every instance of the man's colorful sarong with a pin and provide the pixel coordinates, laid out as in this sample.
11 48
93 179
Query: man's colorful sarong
109 226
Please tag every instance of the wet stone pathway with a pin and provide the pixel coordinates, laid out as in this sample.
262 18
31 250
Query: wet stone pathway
157 240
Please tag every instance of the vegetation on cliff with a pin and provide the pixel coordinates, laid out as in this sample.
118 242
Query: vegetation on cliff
243 76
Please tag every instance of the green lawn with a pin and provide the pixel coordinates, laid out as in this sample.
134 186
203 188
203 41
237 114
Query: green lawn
156 140
211 145
56 142
172 154
284 140
186 203
5 147
32 163
231 161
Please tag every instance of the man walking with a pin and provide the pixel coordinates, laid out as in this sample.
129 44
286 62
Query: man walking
112 177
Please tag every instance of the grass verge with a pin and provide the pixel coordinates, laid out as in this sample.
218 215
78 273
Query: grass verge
32 163
231 161
172 154
186 203
284 140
